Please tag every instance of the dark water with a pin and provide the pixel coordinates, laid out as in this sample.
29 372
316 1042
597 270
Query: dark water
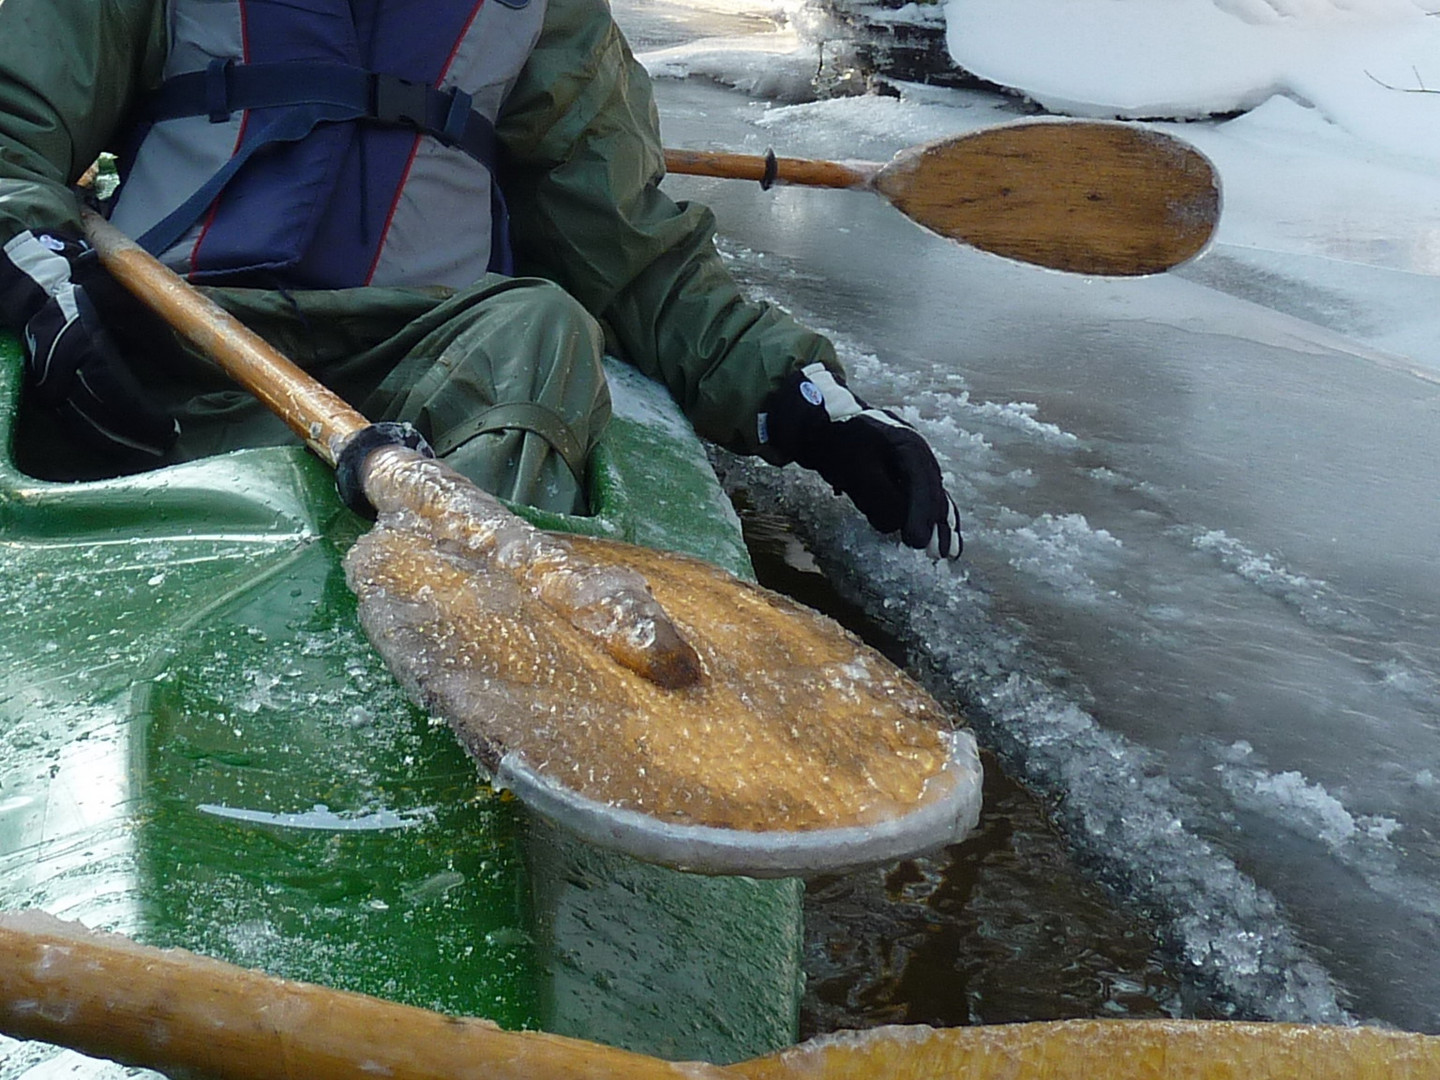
1004 927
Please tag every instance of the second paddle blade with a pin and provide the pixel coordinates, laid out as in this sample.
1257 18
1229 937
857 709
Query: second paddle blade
1088 197
800 749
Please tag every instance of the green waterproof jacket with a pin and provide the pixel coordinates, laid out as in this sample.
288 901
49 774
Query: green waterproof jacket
581 170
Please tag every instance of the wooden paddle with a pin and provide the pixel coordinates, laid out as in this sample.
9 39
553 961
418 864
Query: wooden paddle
1090 197
646 701
183 1014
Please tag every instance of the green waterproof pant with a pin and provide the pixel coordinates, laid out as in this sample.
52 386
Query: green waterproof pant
503 378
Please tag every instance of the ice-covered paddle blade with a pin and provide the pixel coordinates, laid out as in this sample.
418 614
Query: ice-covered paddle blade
798 749
564 673
1083 196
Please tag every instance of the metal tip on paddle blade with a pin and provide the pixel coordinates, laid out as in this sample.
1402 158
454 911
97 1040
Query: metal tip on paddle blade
947 816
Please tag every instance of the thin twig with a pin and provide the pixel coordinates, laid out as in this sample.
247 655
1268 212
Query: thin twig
1421 89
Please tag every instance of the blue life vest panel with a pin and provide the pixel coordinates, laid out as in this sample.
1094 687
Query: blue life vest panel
329 193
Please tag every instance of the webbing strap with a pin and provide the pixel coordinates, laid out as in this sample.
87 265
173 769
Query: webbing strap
225 88
291 126
522 416
314 93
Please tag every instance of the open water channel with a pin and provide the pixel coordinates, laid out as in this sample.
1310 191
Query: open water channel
1004 927
1196 615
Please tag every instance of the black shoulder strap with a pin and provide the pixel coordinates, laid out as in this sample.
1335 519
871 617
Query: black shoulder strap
312 93
225 88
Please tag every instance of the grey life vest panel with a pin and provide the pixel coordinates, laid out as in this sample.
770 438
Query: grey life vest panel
305 188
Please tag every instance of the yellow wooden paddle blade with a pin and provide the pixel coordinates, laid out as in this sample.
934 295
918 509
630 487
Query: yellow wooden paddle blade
1106 1050
1083 196
799 748
610 603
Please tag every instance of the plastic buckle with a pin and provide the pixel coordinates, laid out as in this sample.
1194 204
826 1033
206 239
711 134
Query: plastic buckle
400 101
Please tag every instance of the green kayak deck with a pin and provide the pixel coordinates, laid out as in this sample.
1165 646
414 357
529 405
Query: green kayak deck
202 750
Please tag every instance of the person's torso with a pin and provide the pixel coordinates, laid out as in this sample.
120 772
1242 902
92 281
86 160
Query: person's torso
327 204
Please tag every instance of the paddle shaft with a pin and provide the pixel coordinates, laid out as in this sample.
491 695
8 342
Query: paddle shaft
770 169
187 1015
318 416
394 477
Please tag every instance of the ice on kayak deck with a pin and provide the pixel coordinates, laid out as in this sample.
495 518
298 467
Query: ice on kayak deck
319 817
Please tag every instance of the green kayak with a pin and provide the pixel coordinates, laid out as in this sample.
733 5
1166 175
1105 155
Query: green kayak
203 750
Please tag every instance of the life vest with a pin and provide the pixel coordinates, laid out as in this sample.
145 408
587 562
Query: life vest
328 143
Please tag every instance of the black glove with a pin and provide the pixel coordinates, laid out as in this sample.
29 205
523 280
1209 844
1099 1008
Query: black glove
48 285
871 455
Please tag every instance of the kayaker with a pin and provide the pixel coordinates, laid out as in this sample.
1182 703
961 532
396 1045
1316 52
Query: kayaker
355 220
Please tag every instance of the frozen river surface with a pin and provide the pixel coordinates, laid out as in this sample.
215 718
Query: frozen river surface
1199 609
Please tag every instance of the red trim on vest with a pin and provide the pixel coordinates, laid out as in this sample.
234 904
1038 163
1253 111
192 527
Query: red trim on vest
445 70
394 206
415 148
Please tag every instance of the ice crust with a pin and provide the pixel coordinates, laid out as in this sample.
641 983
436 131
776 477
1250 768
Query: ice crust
797 749
1245 436
1123 814
611 603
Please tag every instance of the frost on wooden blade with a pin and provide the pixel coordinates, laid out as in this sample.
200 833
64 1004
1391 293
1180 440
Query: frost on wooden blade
611 603
794 725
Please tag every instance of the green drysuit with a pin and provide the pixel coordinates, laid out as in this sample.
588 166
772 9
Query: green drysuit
581 167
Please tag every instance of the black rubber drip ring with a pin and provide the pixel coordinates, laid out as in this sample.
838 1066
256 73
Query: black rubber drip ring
772 171
349 467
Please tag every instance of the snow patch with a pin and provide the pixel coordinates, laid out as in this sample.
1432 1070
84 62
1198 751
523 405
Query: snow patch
1351 61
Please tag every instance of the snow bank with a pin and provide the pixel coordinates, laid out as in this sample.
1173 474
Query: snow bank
1371 67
